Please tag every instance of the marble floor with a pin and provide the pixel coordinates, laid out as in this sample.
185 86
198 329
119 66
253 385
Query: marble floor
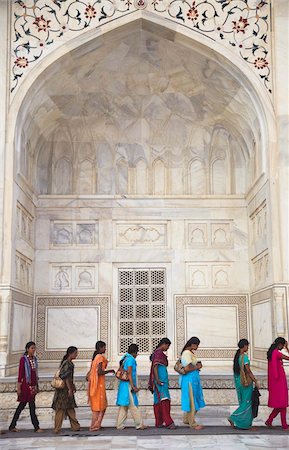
240 442
211 417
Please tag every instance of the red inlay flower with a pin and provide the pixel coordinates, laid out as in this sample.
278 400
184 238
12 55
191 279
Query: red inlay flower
41 23
21 61
90 12
260 63
193 14
240 25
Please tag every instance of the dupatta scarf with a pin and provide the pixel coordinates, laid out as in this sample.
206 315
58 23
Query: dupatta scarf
93 375
158 357
28 369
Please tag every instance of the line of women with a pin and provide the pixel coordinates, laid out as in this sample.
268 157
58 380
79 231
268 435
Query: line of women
192 399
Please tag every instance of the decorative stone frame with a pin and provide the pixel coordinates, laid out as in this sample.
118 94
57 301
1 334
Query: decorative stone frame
43 302
181 301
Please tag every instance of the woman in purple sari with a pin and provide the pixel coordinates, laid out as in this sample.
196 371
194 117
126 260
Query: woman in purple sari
159 385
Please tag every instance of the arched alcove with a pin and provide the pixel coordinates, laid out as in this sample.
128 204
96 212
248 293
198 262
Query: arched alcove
143 147
131 92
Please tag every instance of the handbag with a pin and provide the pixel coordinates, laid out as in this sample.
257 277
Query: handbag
122 374
178 367
57 382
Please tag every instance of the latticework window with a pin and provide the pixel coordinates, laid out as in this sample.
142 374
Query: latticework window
142 308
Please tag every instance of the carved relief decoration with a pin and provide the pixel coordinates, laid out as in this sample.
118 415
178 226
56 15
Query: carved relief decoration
73 277
24 224
258 225
65 234
261 269
23 271
210 234
242 26
208 275
184 300
141 234
43 303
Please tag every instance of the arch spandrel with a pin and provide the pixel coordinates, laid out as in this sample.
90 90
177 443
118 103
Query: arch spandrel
242 27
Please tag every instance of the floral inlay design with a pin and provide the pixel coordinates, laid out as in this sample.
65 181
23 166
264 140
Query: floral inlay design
241 25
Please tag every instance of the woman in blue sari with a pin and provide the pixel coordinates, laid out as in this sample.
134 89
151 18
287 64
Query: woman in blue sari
243 377
126 396
191 389
159 385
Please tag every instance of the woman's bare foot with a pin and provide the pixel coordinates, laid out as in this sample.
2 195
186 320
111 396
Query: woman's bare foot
172 426
198 427
39 430
14 430
268 425
143 427
253 429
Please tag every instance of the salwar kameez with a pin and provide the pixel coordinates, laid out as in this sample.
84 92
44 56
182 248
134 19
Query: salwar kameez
28 379
243 416
63 403
97 392
278 389
127 400
162 399
192 399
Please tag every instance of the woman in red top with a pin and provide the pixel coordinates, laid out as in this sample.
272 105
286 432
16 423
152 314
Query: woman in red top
27 386
277 382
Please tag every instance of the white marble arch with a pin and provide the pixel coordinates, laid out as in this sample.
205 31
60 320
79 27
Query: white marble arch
260 143
106 190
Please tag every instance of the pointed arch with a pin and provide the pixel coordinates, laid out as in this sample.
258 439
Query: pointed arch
159 177
197 177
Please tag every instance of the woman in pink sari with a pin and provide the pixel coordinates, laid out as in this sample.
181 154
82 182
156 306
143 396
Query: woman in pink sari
277 382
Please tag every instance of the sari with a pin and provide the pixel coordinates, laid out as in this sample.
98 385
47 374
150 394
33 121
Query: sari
96 392
162 399
192 398
243 416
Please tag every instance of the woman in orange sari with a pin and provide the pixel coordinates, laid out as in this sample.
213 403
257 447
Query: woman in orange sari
96 385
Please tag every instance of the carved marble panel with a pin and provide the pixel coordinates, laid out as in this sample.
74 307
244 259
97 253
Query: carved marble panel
197 234
261 269
24 224
144 234
208 275
235 310
62 278
85 233
85 277
72 234
23 271
220 276
259 225
73 277
198 276
92 311
221 235
62 234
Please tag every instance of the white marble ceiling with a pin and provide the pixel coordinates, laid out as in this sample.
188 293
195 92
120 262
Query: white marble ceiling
140 92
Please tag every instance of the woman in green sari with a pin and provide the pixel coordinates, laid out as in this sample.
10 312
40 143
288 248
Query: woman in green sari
244 378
